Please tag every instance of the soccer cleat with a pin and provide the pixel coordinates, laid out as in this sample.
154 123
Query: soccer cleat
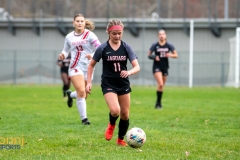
85 122
70 100
158 106
121 142
109 131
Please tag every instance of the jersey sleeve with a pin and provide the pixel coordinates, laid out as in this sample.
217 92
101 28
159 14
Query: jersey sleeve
131 55
99 51
152 47
66 48
94 41
98 54
171 47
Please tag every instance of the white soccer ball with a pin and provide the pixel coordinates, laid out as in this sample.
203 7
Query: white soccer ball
135 137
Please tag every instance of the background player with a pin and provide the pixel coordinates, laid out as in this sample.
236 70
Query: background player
64 64
115 83
81 43
162 50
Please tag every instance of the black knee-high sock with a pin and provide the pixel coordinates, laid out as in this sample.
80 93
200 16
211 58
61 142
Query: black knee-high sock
159 97
65 88
112 119
122 128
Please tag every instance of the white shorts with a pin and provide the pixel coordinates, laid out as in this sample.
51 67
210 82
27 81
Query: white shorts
77 71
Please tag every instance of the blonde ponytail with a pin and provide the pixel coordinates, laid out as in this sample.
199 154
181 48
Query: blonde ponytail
89 25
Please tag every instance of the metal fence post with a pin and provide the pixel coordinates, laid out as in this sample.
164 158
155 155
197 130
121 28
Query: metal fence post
15 67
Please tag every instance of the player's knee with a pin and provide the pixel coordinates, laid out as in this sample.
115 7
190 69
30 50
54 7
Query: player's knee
81 93
124 116
115 112
160 86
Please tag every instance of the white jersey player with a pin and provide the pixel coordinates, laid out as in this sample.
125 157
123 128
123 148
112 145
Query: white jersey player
81 48
81 44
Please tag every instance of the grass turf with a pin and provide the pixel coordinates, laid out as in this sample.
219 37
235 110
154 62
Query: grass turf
198 123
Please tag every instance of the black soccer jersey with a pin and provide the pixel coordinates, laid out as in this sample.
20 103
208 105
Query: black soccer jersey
161 52
113 63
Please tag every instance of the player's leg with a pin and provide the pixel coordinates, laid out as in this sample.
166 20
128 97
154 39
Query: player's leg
85 78
68 81
164 79
124 101
73 95
86 92
113 105
79 85
159 78
65 87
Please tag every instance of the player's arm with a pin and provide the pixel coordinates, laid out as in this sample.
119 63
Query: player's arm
89 56
95 43
59 63
89 75
134 70
136 67
133 59
65 51
151 56
173 54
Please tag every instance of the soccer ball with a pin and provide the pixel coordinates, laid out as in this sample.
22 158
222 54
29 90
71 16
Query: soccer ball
135 137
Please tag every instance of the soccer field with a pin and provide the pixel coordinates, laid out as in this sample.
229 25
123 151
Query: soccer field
198 123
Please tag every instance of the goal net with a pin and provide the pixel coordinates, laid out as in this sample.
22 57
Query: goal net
234 67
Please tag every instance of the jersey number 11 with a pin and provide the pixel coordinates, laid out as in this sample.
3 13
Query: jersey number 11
117 67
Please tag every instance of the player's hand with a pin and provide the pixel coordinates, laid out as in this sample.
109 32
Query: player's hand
168 55
125 74
157 58
88 88
60 65
61 56
89 56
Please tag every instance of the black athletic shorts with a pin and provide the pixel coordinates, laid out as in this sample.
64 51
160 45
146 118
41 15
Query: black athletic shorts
64 70
124 90
158 68
120 86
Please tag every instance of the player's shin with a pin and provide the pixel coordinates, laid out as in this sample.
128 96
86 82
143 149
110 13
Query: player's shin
123 127
112 119
82 109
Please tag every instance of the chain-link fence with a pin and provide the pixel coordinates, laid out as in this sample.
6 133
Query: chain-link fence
210 69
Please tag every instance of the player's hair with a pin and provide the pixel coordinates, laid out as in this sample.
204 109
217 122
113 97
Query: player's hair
114 22
88 24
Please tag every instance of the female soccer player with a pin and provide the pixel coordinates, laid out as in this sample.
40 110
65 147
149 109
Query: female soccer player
115 83
64 64
80 44
163 50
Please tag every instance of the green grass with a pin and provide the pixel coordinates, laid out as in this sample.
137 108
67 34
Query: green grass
205 122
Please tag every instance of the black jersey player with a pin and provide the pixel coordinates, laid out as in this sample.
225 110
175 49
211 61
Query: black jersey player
162 51
115 83
64 64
